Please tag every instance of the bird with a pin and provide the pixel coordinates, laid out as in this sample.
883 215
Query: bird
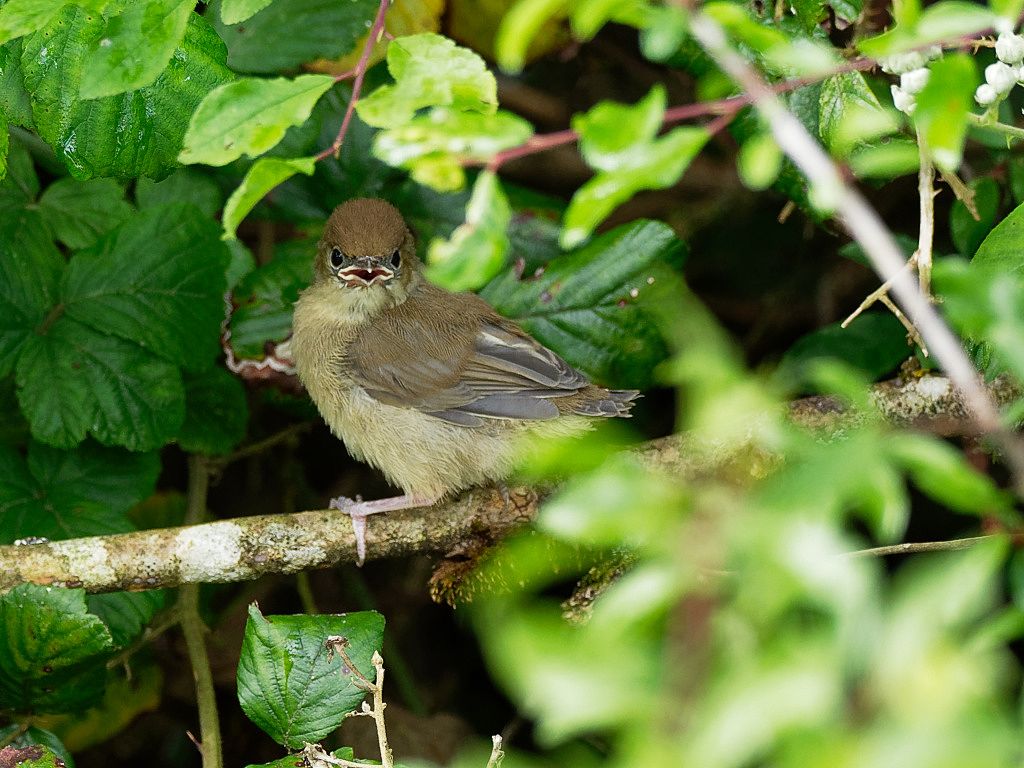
433 388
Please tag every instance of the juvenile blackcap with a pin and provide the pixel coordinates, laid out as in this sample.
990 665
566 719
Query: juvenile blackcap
433 388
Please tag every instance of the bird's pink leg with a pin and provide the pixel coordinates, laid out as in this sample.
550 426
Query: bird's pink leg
359 510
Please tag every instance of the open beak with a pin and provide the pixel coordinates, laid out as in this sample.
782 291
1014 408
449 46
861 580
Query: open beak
365 274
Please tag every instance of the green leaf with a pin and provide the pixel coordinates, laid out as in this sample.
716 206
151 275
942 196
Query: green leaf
942 107
759 161
78 212
265 174
968 232
477 249
234 11
185 185
88 136
344 753
241 264
135 47
875 343
597 306
291 32
69 494
1002 250
289 687
20 17
216 412
264 298
434 147
47 639
126 614
850 113
249 116
943 473
15 103
429 71
520 26
618 140
74 379
165 263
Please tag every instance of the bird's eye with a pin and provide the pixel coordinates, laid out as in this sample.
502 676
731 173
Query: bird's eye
396 259
337 257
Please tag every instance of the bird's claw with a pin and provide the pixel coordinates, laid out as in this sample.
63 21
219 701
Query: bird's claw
351 507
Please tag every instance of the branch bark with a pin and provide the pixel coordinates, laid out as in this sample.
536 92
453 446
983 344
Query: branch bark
246 548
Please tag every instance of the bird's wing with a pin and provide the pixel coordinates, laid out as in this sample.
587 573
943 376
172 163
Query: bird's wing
460 366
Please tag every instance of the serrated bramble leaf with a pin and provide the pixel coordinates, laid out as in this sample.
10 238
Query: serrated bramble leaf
433 147
289 33
74 380
135 47
234 11
1002 250
429 71
596 306
849 113
89 136
78 212
249 116
185 185
20 17
288 683
216 412
165 263
477 249
618 141
126 614
265 174
15 103
47 639
263 299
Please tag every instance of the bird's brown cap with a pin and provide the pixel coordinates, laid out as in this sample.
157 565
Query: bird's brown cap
365 227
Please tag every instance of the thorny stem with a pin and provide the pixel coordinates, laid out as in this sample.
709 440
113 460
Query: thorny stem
338 645
376 32
877 294
868 229
193 628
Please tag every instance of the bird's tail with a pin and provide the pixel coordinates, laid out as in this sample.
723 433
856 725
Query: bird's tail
616 402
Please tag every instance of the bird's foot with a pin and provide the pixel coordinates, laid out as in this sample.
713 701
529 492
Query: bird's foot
359 510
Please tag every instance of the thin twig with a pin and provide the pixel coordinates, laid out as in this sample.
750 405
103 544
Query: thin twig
1010 131
376 32
170 618
926 194
877 294
375 688
915 335
260 446
494 761
921 546
868 229
194 630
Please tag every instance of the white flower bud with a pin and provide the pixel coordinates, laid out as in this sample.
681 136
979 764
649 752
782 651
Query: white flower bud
986 95
1010 48
932 52
905 102
1001 77
912 82
1003 26
899 63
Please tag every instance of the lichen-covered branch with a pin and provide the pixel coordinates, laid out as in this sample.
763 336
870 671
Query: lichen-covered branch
246 548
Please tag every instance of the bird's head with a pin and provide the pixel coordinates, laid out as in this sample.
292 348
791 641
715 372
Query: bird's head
367 249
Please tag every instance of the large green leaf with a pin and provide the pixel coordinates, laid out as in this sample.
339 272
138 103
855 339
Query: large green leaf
185 185
429 71
265 174
216 412
597 306
618 141
1003 249
135 47
291 32
68 494
15 102
234 11
78 212
138 133
288 682
166 263
20 17
73 380
249 116
49 644
126 614
942 107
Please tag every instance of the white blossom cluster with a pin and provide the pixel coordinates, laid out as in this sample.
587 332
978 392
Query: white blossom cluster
912 67
1005 73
